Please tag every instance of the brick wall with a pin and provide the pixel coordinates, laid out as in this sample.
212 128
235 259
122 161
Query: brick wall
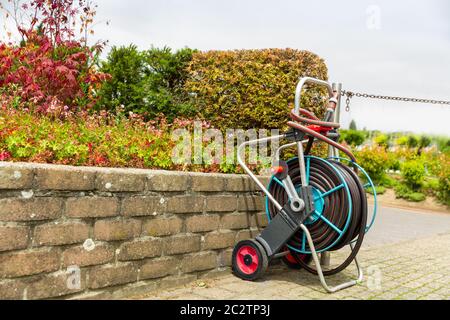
75 232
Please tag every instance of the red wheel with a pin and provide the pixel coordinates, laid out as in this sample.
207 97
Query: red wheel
249 260
291 261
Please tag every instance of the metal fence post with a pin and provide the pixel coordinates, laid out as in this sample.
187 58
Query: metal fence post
325 258
338 88
333 152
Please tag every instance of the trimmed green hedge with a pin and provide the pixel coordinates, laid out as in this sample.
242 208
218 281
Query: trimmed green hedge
147 82
252 88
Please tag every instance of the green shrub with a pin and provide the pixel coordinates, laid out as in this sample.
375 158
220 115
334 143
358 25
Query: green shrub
424 141
253 88
413 172
431 186
146 82
405 192
374 161
382 140
402 141
443 144
444 190
93 140
412 142
353 137
432 163
105 140
444 180
388 181
394 162
167 75
378 189
127 86
401 190
416 197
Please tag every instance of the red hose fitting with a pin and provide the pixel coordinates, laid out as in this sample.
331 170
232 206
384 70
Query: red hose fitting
319 129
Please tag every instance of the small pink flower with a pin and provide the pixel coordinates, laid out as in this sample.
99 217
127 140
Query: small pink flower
5 156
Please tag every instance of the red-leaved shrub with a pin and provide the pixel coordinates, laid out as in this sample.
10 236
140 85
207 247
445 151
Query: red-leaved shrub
46 77
50 70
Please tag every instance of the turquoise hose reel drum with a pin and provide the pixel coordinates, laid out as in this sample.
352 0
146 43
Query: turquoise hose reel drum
327 228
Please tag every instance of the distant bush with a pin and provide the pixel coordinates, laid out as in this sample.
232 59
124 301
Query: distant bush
382 140
431 186
444 180
394 161
413 172
444 189
379 189
353 137
412 142
374 161
402 141
388 181
443 144
405 154
405 192
352 125
416 197
253 88
401 190
424 141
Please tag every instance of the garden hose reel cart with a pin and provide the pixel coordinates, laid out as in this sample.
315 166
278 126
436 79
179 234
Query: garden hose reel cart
314 205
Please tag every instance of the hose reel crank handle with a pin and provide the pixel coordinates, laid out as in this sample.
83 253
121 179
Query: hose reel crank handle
280 172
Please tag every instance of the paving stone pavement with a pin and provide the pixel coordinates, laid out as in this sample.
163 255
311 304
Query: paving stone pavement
407 270
403 269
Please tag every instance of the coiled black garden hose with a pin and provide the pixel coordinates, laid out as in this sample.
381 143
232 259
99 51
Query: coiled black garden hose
323 177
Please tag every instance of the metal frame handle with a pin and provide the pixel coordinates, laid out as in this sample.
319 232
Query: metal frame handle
319 268
300 85
241 161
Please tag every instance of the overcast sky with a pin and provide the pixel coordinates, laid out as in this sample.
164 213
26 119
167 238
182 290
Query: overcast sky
383 47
